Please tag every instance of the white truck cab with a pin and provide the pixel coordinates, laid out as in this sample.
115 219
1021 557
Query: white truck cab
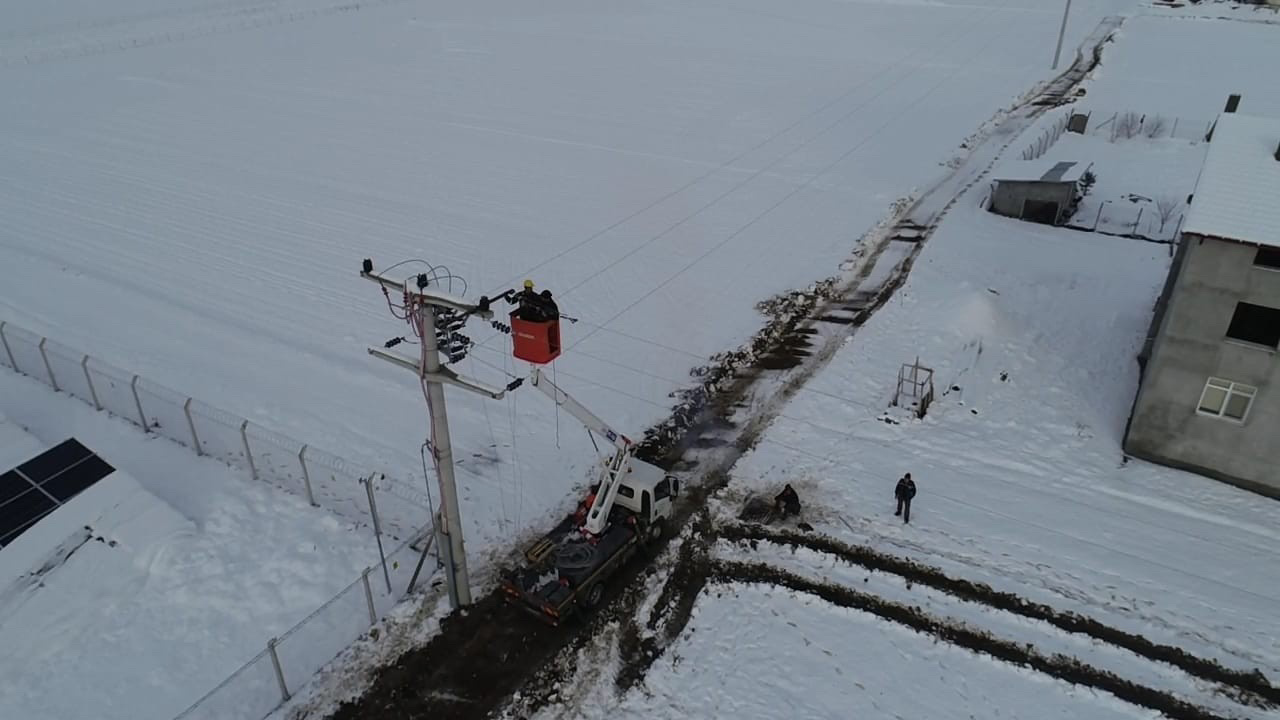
648 493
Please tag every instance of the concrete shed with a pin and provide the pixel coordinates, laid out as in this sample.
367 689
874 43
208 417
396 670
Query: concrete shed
1037 190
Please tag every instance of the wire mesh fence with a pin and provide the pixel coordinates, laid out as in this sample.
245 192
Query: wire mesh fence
1047 137
1157 221
1122 125
387 504
324 479
271 677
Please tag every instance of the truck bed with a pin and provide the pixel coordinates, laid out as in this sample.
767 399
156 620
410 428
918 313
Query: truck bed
561 566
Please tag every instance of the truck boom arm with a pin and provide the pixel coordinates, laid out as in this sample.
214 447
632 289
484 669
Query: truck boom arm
576 409
614 468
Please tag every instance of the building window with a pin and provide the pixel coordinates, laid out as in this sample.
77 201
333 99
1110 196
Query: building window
1256 324
1226 399
1268 257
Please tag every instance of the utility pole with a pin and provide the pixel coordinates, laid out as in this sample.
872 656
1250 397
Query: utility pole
433 312
1057 54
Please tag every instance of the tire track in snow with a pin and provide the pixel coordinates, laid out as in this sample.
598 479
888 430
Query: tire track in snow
1246 687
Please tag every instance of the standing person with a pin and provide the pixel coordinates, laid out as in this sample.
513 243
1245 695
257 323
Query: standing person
905 490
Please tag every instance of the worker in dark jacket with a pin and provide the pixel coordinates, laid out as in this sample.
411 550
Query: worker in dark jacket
532 305
549 306
787 502
905 490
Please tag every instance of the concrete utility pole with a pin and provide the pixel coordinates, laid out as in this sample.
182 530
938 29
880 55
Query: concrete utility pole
1057 54
421 307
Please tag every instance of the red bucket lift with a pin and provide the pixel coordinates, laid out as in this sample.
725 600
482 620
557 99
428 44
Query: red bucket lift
535 342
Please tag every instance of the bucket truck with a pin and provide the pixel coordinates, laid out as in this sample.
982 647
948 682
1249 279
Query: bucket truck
628 508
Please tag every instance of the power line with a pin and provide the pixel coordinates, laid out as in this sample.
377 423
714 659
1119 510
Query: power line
912 69
795 191
722 166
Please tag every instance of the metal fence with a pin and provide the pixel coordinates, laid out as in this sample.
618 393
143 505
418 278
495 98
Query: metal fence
264 683
1157 221
1117 126
1047 137
324 479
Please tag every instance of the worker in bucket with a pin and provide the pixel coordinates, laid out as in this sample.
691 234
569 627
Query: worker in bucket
535 306
787 502
531 305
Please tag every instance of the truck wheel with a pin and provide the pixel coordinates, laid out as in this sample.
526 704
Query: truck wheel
594 595
656 529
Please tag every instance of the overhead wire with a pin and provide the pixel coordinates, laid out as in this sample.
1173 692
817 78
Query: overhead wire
493 439
768 210
912 69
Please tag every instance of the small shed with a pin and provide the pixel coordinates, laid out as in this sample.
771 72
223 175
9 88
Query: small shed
1037 190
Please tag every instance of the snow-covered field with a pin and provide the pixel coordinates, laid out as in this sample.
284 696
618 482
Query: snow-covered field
1032 333
661 167
740 656
188 189
198 567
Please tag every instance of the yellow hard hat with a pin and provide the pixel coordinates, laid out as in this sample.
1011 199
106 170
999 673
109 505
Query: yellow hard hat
528 284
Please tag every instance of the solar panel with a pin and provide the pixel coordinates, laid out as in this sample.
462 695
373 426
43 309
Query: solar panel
40 485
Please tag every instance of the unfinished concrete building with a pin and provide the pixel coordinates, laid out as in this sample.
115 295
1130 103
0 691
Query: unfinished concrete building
1209 399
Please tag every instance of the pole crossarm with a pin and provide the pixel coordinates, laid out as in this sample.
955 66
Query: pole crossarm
443 375
432 297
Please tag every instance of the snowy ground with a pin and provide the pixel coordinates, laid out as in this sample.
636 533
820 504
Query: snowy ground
741 651
205 567
1020 473
1032 333
1136 180
639 161
191 186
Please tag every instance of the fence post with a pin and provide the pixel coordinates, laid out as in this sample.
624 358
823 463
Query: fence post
142 417
248 454
306 475
368 596
7 351
275 661
195 439
377 528
88 377
48 368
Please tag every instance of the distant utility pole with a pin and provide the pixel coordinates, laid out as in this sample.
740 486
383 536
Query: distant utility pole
1057 54
432 313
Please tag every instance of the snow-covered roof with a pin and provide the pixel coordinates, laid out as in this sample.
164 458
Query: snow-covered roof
1237 195
1043 169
